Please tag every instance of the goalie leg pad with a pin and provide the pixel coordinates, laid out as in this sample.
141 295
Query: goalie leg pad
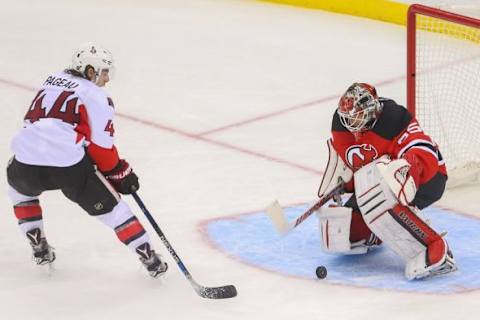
417 268
406 233
336 226
334 223
373 194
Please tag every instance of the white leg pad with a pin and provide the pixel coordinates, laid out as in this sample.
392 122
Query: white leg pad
417 268
395 236
334 224
372 192
375 199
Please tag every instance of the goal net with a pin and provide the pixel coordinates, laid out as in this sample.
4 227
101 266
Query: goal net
443 86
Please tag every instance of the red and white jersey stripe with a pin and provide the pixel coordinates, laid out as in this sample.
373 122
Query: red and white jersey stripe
67 115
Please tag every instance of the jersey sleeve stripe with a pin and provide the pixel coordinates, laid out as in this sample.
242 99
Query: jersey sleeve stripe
426 149
417 142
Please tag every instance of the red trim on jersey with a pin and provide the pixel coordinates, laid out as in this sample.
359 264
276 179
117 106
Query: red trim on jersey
83 128
28 212
105 159
421 153
425 165
130 230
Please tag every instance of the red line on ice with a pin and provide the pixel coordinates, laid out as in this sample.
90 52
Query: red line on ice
194 136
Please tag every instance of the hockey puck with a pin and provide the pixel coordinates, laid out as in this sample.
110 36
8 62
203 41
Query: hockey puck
321 272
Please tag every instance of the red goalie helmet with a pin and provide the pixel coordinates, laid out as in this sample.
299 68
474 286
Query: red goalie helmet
359 107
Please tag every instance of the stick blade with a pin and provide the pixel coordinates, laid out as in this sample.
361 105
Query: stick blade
275 212
224 292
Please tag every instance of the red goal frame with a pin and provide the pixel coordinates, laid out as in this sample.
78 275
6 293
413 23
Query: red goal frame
413 10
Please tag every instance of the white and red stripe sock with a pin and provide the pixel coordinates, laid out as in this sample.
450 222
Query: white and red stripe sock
27 210
127 227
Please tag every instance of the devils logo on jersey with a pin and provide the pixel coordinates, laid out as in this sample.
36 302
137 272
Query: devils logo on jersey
359 155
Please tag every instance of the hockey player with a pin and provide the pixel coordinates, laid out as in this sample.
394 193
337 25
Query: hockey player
66 144
394 170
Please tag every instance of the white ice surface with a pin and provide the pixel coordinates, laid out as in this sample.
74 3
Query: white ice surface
186 67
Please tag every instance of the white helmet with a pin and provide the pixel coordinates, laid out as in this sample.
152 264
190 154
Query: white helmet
359 107
92 55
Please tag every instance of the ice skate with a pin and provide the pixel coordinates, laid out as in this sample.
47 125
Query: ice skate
417 270
42 252
152 261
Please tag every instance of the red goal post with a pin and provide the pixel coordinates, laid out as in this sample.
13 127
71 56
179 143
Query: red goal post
443 85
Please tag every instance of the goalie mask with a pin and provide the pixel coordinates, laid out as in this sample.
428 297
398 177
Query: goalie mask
92 55
359 107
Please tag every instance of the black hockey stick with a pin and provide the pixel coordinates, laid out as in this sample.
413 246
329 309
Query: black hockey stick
224 292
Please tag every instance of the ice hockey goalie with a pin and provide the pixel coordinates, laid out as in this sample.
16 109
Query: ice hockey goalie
393 170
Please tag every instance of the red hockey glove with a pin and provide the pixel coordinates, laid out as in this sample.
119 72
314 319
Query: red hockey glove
122 178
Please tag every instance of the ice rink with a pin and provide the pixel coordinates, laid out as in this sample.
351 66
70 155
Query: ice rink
222 107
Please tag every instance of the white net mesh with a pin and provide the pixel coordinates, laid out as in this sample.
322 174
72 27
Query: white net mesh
448 92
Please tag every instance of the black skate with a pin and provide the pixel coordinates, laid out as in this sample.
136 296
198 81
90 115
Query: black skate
152 261
42 252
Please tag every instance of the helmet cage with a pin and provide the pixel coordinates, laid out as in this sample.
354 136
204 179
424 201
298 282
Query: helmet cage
359 108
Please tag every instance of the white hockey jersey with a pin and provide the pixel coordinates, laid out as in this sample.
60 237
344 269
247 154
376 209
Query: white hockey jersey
67 115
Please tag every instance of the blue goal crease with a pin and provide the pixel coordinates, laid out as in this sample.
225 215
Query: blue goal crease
253 239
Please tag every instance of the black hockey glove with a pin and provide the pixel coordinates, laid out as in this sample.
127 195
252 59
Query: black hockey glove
122 178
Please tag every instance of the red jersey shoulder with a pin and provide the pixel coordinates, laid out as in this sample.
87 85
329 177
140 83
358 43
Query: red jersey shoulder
380 140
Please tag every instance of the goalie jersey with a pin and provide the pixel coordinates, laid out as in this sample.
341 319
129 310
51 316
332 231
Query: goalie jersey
397 134
68 117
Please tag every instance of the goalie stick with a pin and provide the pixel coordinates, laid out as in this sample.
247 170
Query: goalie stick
281 223
224 292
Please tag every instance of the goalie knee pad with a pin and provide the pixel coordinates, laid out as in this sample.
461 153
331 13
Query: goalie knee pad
372 192
344 232
381 184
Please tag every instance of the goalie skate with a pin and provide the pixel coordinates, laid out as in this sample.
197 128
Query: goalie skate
446 265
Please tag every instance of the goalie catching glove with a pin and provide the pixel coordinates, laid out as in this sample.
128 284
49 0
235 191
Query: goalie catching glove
122 178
